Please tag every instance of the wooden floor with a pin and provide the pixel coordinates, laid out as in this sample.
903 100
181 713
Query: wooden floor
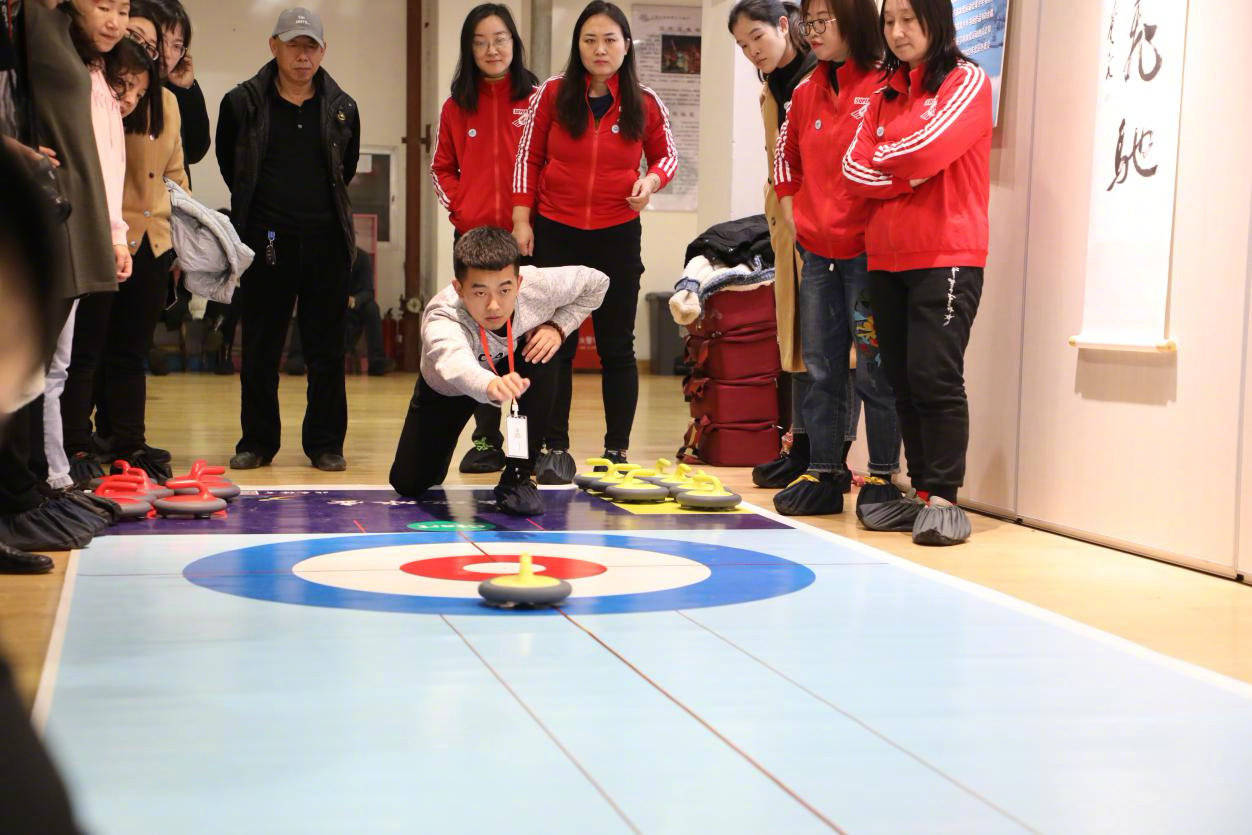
1191 616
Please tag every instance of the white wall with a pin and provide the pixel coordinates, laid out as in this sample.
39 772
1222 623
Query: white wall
365 55
1135 448
1245 492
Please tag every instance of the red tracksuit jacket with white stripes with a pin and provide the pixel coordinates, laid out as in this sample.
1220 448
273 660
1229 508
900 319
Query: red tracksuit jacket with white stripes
830 218
472 166
584 182
945 136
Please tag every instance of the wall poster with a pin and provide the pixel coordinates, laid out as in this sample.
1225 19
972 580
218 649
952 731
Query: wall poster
981 30
1131 225
667 52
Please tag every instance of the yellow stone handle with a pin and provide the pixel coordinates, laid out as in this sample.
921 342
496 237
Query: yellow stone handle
714 484
662 464
635 475
526 568
683 470
625 468
599 462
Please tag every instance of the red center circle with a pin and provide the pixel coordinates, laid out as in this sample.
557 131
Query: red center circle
454 568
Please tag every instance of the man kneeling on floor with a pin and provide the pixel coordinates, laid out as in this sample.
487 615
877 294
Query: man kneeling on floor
489 338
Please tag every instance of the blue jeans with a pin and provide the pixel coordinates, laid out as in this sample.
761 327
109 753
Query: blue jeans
835 311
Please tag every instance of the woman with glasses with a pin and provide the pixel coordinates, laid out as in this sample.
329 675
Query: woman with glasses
154 152
578 172
179 75
828 221
769 34
922 156
472 164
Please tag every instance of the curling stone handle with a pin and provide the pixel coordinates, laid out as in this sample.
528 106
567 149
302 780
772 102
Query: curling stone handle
713 482
526 567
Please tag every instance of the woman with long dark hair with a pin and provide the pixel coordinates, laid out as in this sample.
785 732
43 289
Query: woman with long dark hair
828 221
922 154
770 35
154 153
472 165
578 170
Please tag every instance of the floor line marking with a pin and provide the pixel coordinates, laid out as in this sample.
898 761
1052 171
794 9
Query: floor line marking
1016 604
536 524
708 726
861 723
543 727
56 643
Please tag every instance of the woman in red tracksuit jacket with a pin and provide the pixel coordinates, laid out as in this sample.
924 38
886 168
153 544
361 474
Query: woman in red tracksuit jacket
922 155
829 224
475 148
578 167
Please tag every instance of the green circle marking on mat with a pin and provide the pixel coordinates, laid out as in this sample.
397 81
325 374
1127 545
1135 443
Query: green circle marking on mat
450 526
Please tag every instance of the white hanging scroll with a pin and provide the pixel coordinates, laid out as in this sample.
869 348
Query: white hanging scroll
667 53
1131 225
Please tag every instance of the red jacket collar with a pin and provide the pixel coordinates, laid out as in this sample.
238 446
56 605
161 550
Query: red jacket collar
613 83
494 88
905 80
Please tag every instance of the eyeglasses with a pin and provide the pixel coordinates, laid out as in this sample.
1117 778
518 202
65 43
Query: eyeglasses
816 27
501 43
148 46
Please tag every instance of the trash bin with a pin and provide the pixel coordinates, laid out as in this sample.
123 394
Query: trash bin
667 337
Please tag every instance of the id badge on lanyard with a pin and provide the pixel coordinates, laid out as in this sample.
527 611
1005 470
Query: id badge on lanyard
516 435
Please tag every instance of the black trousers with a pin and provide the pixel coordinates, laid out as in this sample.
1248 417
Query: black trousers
614 251
121 389
368 319
924 319
314 269
91 329
434 423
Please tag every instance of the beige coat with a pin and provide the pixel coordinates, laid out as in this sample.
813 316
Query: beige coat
149 160
787 263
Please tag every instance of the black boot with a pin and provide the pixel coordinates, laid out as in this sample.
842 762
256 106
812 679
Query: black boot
14 561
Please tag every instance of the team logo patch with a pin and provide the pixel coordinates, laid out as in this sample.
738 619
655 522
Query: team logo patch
861 105
439 573
521 117
931 104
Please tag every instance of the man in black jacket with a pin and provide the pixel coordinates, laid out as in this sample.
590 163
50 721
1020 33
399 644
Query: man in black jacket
287 144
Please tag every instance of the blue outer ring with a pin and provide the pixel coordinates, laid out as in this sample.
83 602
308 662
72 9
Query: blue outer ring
264 572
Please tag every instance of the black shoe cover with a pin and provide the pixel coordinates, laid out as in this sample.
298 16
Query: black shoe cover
780 472
66 508
810 495
39 530
483 458
876 490
107 509
941 523
897 515
84 467
13 561
517 495
158 471
556 466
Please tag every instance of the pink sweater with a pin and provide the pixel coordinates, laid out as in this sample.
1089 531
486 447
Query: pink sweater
106 119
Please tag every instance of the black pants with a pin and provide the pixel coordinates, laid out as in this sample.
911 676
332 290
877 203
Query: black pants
434 423
314 269
924 320
614 251
366 317
91 330
121 385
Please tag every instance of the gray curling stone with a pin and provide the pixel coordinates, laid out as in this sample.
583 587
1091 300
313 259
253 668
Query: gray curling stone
637 492
189 506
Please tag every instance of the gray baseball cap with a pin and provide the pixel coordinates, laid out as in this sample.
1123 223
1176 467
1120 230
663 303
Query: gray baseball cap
299 22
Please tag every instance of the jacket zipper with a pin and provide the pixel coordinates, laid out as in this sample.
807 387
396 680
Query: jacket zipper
591 177
495 156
